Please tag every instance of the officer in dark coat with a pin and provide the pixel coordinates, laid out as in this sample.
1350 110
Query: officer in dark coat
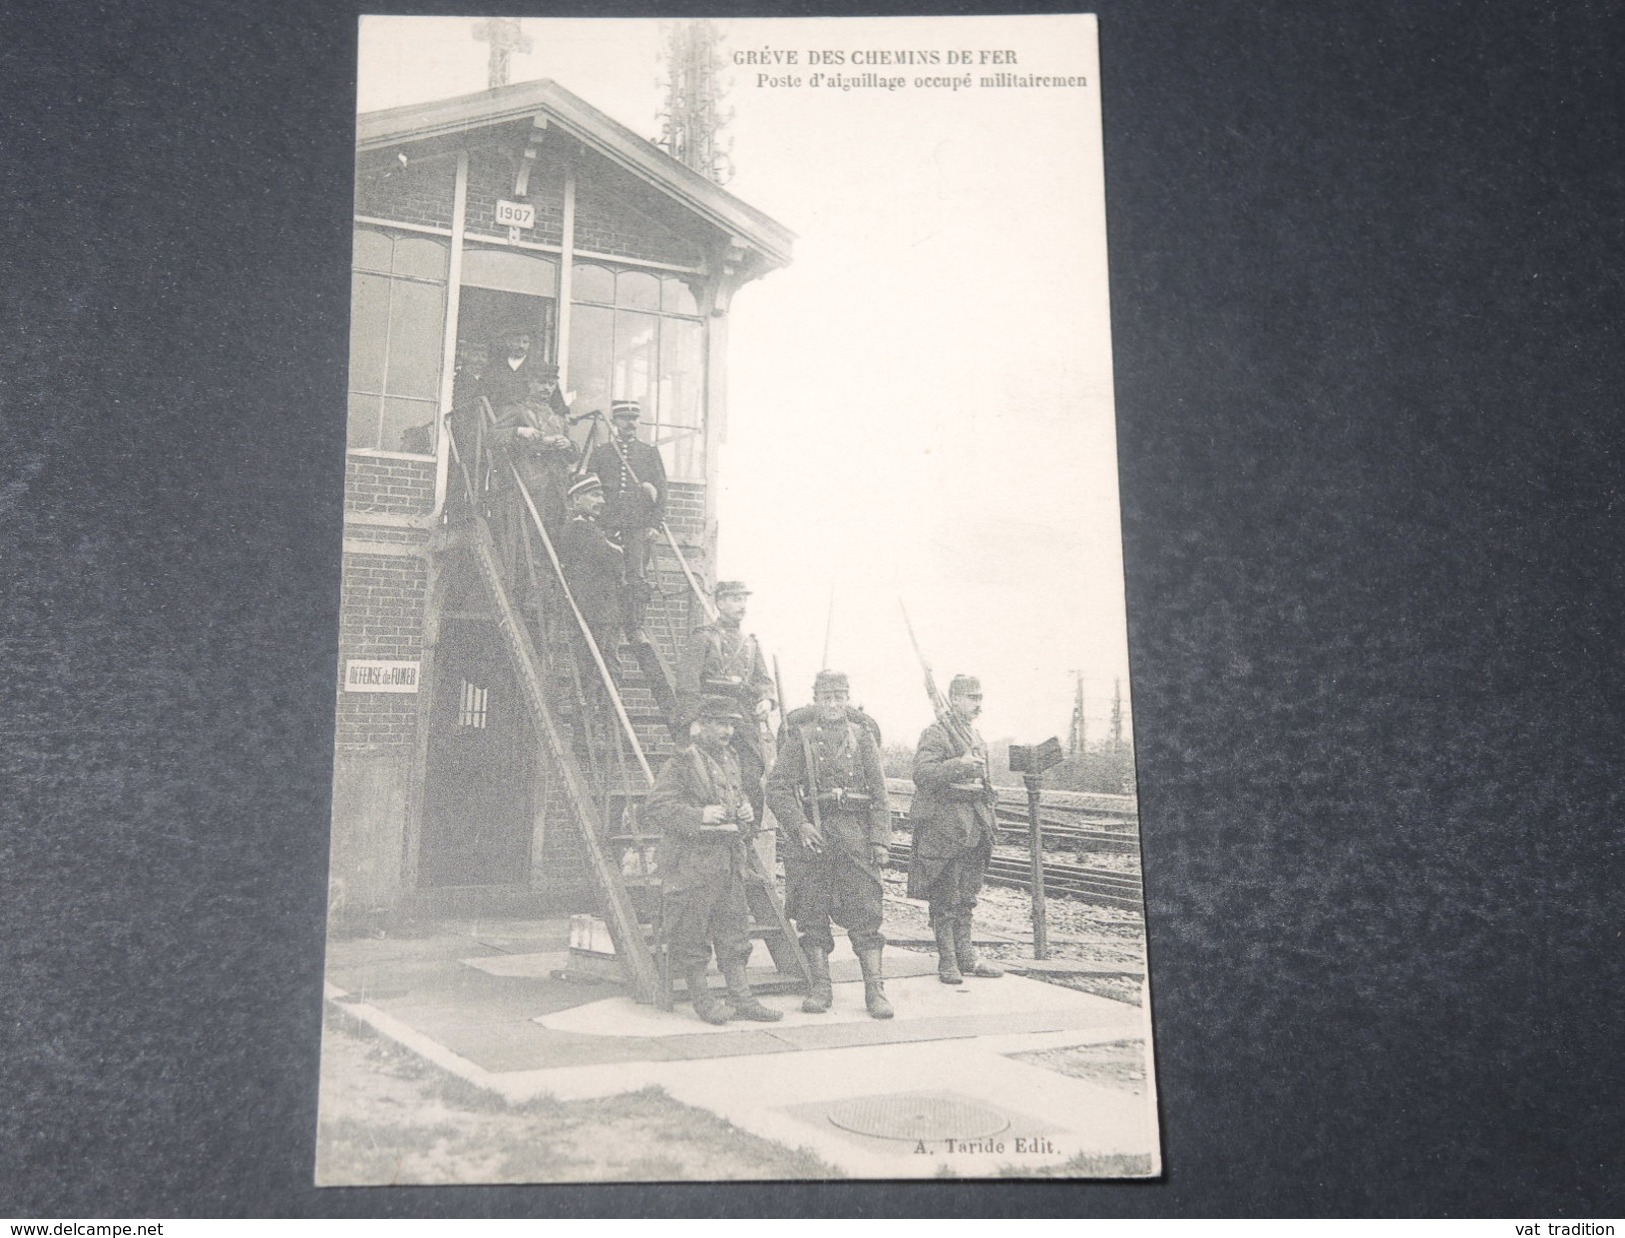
634 478
707 824
952 814
721 659
828 792
592 566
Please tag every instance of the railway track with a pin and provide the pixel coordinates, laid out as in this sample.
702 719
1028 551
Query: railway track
1091 885
1079 835
1070 822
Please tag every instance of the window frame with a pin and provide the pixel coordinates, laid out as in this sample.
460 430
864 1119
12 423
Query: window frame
396 232
654 417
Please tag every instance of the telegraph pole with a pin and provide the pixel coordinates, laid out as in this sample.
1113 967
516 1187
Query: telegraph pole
1078 740
691 125
1117 715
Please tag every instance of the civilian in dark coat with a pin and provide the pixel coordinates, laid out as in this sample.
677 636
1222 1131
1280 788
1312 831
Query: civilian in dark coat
506 379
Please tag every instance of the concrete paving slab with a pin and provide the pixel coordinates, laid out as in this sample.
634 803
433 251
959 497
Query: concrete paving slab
915 998
495 1017
532 966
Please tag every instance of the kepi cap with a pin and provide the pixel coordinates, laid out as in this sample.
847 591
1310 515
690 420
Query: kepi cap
965 685
835 681
734 587
585 485
625 408
719 708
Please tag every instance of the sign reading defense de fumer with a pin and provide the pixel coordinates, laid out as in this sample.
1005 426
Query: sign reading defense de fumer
363 676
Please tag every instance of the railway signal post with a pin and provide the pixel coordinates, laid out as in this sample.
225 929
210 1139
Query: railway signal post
1030 761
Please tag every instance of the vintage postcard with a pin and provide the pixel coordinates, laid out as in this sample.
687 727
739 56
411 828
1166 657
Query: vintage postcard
734 771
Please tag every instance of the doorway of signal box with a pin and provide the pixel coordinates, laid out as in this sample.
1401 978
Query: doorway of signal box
506 296
479 811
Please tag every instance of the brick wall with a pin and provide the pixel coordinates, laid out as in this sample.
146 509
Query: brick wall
381 617
685 510
414 195
383 485
491 176
614 216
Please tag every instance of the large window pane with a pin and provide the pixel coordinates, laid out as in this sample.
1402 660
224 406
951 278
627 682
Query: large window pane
397 326
408 425
681 371
636 338
637 290
416 324
593 283
592 353
421 258
369 331
362 430
507 271
681 403
676 297
372 250
640 351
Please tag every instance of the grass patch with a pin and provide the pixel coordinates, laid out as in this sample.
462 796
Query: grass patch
389 1117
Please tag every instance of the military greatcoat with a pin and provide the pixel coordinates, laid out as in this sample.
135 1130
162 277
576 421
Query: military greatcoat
702 874
843 883
953 821
592 568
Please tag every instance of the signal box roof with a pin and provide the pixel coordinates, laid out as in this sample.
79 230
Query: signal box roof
548 105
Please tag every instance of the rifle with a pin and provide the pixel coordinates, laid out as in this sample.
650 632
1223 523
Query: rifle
778 684
957 731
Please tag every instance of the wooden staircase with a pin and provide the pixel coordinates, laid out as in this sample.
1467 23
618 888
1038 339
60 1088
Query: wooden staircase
583 726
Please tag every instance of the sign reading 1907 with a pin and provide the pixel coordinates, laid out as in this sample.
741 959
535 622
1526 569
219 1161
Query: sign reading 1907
515 214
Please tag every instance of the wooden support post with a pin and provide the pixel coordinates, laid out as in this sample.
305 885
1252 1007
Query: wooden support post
1036 841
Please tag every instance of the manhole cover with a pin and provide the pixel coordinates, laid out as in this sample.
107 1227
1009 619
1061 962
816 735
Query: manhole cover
908 1116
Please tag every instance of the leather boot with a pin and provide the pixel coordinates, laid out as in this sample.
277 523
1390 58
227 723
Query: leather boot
874 987
706 1003
970 963
947 953
819 994
745 1005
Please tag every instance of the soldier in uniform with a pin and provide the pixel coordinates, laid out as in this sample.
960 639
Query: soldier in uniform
634 480
706 823
592 568
953 830
828 792
721 659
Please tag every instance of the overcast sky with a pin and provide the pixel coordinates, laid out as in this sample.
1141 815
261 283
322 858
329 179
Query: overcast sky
920 405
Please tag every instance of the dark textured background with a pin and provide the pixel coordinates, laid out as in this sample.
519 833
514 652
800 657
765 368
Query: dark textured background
1366 263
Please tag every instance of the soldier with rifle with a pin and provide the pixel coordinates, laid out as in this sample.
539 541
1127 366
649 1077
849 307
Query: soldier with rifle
634 480
700 807
721 659
828 792
953 820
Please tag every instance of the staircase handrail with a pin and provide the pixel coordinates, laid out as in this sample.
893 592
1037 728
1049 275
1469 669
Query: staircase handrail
581 622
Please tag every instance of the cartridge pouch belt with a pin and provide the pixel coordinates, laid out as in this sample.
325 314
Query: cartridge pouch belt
840 796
